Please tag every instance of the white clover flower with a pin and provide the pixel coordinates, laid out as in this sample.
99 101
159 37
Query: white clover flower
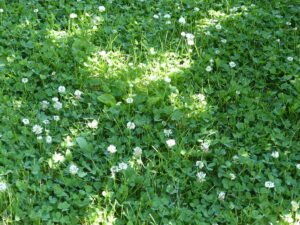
49 139
200 164
1 10
46 121
201 176
3 186
24 80
122 166
189 36
114 169
222 195
218 27
137 152
55 99
57 105
25 121
238 92
196 9
205 145
290 59
37 129
129 100
111 149
208 69
217 51
234 9
232 176
78 93
73 169
295 206
183 34
171 142
278 40
168 132
45 104
56 118
61 89
57 157
288 23
35 10
167 79
182 20
190 42
168 22
93 124
167 16
155 16
232 64
269 184
130 125
101 8
275 155
235 157
224 41
73 15
39 137
298 166
288 218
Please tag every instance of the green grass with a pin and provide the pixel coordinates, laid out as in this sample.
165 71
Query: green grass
217 120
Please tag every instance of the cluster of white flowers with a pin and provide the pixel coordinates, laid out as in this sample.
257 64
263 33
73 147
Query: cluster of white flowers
295 205
57 105
45 104
171 142
73 15
112 149
56 118
37 129
48 139
25 80
168 132
218 27
130 125
200 164
182 20
93 124
101 9
57 157
73 169
189 38
208 68
121 166
232 176
78 94
3 186
137 152
129 100
275 154
201 176
221 195
269 184
232 64
204 145
25 121
61 89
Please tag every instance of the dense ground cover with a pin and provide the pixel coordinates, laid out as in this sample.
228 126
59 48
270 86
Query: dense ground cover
149 112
